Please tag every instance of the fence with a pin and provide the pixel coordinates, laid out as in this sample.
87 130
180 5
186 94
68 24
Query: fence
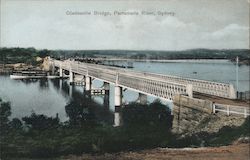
208 107
230 109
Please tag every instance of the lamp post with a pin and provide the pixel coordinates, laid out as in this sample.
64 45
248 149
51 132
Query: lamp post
237 70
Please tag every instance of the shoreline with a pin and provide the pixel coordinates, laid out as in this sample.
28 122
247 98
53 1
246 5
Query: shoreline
243 62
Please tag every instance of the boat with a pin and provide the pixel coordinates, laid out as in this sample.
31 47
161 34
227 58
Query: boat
29 74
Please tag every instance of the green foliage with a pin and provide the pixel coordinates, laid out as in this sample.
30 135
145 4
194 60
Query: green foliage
43 53
153 114
228 134
41 122
225 136
80 111
21 55
5 112
145 126
26 55
16 124
46 137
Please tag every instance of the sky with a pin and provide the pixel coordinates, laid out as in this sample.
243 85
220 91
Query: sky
171 24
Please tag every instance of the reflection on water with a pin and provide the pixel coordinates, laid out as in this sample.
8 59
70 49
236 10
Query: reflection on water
40 96
82 109
53 96
80 106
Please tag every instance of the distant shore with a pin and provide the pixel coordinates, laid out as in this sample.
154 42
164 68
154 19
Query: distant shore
173 60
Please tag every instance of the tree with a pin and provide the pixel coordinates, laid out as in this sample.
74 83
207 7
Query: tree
153 114
43 53
16 123
41 122
5 112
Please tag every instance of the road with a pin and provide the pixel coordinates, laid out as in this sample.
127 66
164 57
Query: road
232 152
221 100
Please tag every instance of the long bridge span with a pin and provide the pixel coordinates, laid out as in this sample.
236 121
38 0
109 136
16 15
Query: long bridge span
158 85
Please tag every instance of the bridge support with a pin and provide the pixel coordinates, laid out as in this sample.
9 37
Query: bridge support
88 83
60 84
60 72
106 86
190 90
70 91
142 98
106 101
232 92
118 96
118 103
117 117
71 77
53 68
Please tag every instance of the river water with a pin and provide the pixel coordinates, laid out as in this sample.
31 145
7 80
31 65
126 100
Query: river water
50 97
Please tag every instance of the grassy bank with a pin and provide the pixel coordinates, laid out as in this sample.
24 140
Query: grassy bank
144 127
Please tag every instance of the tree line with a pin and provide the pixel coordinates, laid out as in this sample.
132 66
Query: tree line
144 127
25 55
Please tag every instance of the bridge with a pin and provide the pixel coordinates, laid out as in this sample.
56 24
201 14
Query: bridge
161 86
158 85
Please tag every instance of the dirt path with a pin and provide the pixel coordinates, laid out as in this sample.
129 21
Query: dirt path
233 152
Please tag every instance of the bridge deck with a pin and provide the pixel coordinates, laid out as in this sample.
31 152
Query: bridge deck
159 85
221 100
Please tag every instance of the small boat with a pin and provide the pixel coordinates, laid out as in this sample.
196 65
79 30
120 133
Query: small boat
30 75
194 72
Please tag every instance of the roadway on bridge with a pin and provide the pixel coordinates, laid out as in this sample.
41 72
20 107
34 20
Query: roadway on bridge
221 100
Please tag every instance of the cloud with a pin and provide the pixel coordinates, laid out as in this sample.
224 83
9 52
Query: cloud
231 36
233 30
61 31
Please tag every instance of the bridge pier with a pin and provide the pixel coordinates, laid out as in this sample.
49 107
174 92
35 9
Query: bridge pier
118 103
118 96
117 117
232 92
106 101
60 72
71 77
70 91
190 90
142 98
106 86
88 83
53 68
60 84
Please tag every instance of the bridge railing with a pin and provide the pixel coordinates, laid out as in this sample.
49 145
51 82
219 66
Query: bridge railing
151 85
109 74
148 85
231 109
224 90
